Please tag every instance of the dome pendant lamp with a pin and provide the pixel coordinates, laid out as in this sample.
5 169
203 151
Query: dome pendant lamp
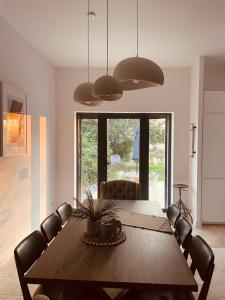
83 94
107 87
137 72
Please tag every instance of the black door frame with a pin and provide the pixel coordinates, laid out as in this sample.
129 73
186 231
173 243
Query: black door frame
144 148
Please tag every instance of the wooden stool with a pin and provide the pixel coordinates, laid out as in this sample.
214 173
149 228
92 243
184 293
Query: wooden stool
185 212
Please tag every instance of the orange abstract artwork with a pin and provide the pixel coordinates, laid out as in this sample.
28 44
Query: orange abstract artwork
15 130
14 115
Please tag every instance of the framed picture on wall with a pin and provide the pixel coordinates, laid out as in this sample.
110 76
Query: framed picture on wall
13 120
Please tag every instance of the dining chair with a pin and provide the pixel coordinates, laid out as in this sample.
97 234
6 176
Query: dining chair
183 230
26 253
202 260
120 190
64 211
173 214
51 226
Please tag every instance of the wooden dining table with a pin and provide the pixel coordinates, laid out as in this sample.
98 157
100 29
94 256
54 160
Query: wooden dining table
146 259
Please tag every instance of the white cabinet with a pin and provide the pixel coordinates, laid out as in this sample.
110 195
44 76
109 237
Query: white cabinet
213 158
213 145
213 200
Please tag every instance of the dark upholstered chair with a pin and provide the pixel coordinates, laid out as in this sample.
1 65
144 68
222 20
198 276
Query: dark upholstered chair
173 214
120 190
50 227
64 211
183 230
202 260
26 253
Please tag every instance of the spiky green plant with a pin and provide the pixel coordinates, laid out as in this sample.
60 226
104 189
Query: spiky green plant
96 210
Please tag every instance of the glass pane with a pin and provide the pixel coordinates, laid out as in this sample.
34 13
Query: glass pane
157 160
89 156
123 142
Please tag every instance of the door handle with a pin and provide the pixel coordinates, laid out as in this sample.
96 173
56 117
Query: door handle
193 128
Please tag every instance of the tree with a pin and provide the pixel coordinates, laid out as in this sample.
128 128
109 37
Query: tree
89 152
157 131
121 134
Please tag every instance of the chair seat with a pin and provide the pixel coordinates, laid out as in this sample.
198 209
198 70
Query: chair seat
53 292
56 292
41 297
88 293
150 294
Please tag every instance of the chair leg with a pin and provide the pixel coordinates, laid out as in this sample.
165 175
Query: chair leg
185 253
205 288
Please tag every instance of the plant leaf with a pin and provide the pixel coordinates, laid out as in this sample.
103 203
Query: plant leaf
96 210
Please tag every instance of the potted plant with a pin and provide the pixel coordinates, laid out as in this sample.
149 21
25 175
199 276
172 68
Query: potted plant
95 212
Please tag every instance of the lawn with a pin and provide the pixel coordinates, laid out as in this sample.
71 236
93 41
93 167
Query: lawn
131 167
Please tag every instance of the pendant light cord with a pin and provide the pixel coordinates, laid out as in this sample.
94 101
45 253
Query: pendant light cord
137 26
107 45
88 29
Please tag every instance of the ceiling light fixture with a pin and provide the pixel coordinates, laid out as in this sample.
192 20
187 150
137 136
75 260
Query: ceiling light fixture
83 94
107 87
138 72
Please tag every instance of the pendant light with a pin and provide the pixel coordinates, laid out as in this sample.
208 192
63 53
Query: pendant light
107 87
138 72
84 92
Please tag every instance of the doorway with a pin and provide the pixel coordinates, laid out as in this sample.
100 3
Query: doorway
128 146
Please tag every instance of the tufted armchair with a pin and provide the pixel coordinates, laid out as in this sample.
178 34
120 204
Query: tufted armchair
120 190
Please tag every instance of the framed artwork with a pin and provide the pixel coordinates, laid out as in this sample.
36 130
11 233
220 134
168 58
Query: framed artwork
13 120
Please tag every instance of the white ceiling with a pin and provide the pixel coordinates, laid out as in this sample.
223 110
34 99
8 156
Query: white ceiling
172 32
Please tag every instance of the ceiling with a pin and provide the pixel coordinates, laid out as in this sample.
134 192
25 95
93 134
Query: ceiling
172 32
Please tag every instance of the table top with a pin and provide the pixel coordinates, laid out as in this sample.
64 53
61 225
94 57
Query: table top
142 206
180 185
147 258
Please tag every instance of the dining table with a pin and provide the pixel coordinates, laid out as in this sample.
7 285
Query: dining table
147 259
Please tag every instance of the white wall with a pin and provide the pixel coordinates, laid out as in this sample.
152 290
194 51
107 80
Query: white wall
174 97
25 68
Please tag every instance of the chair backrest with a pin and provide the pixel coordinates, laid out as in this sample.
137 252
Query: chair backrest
203 261
173 214
64 211
183 230
51 226
120 190
26 253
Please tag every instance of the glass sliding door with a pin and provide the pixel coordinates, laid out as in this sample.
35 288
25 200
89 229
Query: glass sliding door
123 143
89 157
157 159
130 146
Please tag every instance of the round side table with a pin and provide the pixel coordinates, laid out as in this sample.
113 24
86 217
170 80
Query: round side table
185 212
